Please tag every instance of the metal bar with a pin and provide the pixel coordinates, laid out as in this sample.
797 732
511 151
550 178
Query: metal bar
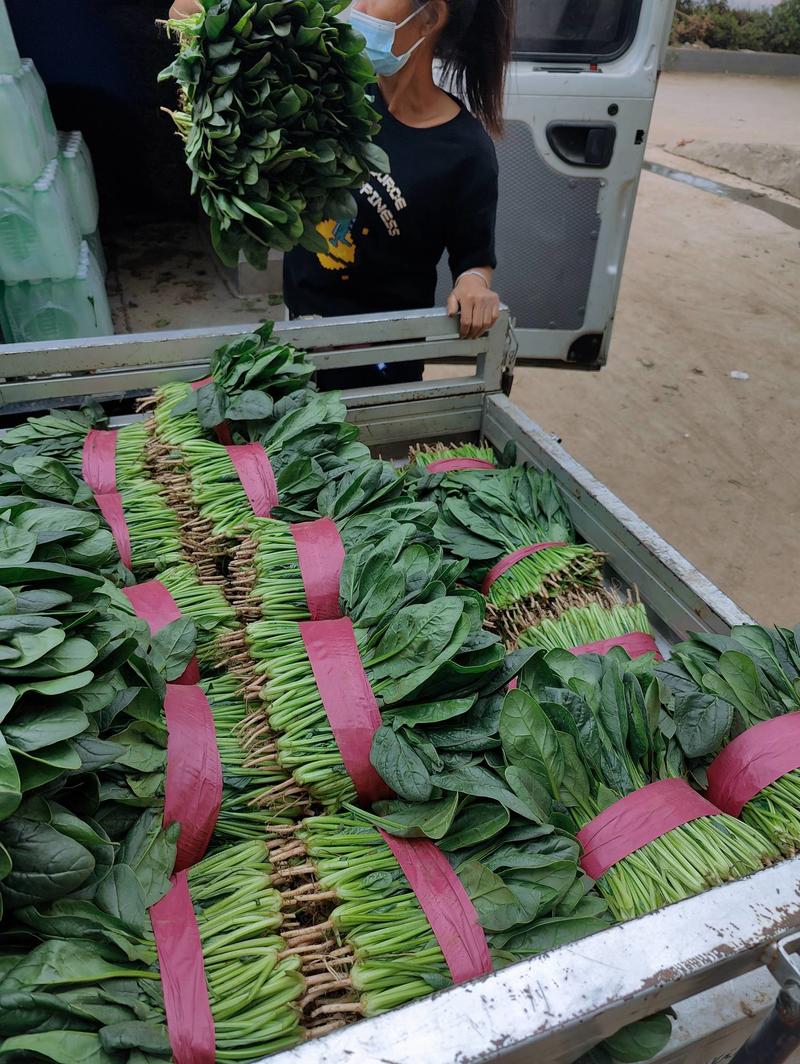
400 395
115 366
92 385
555 1006
434 328
121 382
178 345
678 593
424 350
448 415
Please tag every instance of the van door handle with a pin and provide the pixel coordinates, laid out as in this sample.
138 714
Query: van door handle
583 143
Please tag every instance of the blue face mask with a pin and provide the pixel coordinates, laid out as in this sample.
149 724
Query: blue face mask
379 34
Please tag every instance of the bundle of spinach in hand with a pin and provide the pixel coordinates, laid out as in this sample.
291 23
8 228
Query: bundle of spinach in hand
276 121
424 651
486 515
584 731
722 685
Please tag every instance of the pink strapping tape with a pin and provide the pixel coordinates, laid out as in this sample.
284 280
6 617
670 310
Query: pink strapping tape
253 466
637 819
752 761
153 603
110 506
446 904
348 700
511 559
99 470
636 644
190 1024
452 465
193 782
320 552
99 461
221 431
513 683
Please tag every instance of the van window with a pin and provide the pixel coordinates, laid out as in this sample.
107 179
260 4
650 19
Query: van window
575 29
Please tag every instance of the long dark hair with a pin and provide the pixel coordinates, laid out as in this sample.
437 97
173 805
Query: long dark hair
475 48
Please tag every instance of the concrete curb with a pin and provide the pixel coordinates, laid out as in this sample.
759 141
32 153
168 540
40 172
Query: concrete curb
688 60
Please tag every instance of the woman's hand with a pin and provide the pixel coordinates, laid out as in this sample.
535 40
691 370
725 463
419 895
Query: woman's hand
478 304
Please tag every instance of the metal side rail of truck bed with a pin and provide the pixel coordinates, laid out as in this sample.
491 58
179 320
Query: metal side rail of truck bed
706 955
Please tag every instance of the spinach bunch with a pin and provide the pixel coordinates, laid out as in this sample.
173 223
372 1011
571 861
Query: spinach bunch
367 504
46 501
583 732
308 443
91 989
61 435
422 646
47 514
719 686
485 515
276 120
248 375
62 695
524 881
525 884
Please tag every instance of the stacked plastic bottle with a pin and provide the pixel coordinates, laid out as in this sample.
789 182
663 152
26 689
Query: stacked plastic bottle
51 263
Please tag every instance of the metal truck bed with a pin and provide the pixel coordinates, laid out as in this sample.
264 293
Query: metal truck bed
708 954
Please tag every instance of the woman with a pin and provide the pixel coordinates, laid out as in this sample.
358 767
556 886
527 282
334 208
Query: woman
441 192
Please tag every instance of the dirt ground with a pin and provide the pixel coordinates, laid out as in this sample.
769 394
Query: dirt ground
710 287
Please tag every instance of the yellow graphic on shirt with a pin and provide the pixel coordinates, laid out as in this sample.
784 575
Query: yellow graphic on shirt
341 251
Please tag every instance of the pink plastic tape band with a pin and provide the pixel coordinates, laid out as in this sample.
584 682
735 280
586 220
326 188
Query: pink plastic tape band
99 470
452 465
99 461
637 819
513 683
348 700
752 761
190 1024
110 506
251 462
153 603
320 552
511 559
193 783
636 644
221 431
447 906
